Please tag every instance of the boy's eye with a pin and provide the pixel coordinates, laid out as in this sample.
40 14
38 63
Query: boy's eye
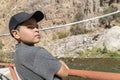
32 26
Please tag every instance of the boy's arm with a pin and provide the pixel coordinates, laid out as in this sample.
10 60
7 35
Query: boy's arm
63 71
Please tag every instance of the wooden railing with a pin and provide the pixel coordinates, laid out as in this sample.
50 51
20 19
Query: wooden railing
73 72
11 68
96 75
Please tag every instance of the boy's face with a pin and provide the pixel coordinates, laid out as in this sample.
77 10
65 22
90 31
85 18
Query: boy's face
28 32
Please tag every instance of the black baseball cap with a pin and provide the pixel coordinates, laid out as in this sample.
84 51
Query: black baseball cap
22 17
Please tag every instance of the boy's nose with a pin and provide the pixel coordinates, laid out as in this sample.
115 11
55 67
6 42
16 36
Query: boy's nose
36 29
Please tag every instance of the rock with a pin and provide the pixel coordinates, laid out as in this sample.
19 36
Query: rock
110 39
67 47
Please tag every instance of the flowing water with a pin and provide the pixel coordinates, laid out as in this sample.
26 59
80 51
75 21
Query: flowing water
94 64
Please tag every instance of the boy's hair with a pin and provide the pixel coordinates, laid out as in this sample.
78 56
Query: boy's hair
22 17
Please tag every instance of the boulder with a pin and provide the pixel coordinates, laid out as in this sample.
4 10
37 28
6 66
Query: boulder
110 39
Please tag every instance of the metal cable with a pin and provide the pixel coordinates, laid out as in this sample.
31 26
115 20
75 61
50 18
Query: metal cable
69 24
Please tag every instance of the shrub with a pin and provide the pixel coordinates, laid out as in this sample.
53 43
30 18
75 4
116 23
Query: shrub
112 9
78 28
114 55
98 53
60 35
6 57
54 36
1 45
106 21
109 10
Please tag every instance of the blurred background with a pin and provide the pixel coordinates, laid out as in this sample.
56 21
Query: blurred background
94 40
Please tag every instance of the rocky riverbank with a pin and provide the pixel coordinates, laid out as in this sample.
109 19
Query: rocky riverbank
71 46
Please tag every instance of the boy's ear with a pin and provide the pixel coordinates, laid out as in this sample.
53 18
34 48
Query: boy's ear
15 33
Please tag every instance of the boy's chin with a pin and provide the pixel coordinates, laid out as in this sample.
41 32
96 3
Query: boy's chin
36 41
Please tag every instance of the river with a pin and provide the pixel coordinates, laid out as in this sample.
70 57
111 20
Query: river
94 64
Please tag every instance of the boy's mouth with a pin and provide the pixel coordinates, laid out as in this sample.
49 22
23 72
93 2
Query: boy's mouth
38 36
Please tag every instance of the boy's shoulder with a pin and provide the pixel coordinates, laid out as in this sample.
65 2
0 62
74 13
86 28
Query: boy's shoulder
26 48
22 48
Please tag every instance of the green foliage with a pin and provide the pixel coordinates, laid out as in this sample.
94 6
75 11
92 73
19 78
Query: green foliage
60 35
112 9
78 28
109 10
54 36
90 52
98 53
79 16
114 55
107 20
117 17
104 50
6 57
1 45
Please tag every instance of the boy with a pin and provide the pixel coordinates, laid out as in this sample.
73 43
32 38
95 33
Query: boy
33 63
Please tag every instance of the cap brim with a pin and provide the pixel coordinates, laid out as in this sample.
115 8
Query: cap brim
38 16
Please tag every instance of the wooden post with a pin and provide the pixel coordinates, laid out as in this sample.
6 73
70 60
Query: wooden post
11 68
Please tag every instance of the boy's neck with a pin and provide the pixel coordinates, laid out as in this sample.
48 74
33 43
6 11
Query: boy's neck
29 44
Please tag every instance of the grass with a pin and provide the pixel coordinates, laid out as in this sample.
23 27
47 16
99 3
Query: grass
98 53
60 35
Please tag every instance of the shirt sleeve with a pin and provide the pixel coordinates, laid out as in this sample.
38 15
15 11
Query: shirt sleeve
45 64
